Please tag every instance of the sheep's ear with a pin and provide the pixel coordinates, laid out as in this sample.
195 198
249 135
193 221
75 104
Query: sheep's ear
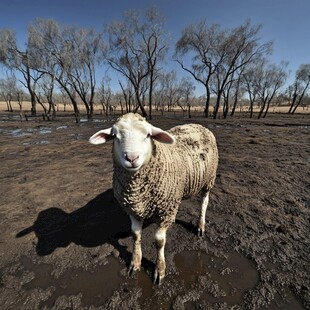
162 136
101 136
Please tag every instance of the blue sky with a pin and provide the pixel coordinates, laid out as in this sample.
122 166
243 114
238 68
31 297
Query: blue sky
286 22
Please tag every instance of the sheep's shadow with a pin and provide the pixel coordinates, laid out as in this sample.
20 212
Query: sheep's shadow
100 221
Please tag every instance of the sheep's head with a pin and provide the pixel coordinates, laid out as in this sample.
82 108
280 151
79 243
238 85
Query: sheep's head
132 136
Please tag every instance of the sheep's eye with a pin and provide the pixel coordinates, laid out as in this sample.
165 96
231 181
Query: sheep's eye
147 137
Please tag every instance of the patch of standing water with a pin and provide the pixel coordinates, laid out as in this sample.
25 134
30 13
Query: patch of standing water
99 120
45 130
219 280
96 287
62 127
42 142
28 132
225 279
19 132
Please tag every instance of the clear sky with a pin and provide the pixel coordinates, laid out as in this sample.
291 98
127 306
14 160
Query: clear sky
286 22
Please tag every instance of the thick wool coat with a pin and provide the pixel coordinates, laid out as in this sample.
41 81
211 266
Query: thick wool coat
174 172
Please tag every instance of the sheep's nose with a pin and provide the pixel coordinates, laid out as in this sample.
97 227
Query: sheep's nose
131 158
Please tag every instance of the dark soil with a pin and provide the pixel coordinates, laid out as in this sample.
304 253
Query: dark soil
65 243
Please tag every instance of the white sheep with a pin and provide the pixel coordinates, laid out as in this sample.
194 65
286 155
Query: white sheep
154 170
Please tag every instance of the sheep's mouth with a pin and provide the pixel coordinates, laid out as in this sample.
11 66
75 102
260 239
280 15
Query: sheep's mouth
133 168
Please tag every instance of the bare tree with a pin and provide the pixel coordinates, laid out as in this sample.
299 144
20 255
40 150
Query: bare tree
218 55
135 50
272 78
52 51
69 55
238 90
187 89
20 98
240 47
128 95
169 90
46 92
64 99
15 59
105 95
250 81
86 48
157 47
299 88
199 40
8 91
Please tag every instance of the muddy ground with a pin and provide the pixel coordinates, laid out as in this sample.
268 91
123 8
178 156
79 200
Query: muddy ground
65 243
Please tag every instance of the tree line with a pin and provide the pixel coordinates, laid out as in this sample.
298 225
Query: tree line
231 64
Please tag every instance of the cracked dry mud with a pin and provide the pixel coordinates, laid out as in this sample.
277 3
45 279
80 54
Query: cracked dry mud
65 243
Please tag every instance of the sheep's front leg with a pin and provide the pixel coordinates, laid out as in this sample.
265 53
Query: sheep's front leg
160 267
202 217
136 228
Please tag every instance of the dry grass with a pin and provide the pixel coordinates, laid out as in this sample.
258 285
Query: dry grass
98 110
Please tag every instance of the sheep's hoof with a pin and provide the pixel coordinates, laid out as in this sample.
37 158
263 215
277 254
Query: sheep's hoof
132 270
158 278
201 233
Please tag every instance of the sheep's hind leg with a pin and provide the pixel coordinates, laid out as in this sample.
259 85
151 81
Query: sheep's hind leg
136 228
202 217
160 267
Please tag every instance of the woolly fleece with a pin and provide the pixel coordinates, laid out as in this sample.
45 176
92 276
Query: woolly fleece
174 172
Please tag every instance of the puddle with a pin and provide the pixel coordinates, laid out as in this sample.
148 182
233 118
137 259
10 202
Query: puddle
19 132
216 280
45 130
42 142
99 120
62 127
96 286
73 282
232 275
225 279
29 132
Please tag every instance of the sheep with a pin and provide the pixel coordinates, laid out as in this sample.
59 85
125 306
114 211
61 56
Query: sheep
154 170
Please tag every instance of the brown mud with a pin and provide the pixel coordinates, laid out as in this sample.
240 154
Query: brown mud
65 243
